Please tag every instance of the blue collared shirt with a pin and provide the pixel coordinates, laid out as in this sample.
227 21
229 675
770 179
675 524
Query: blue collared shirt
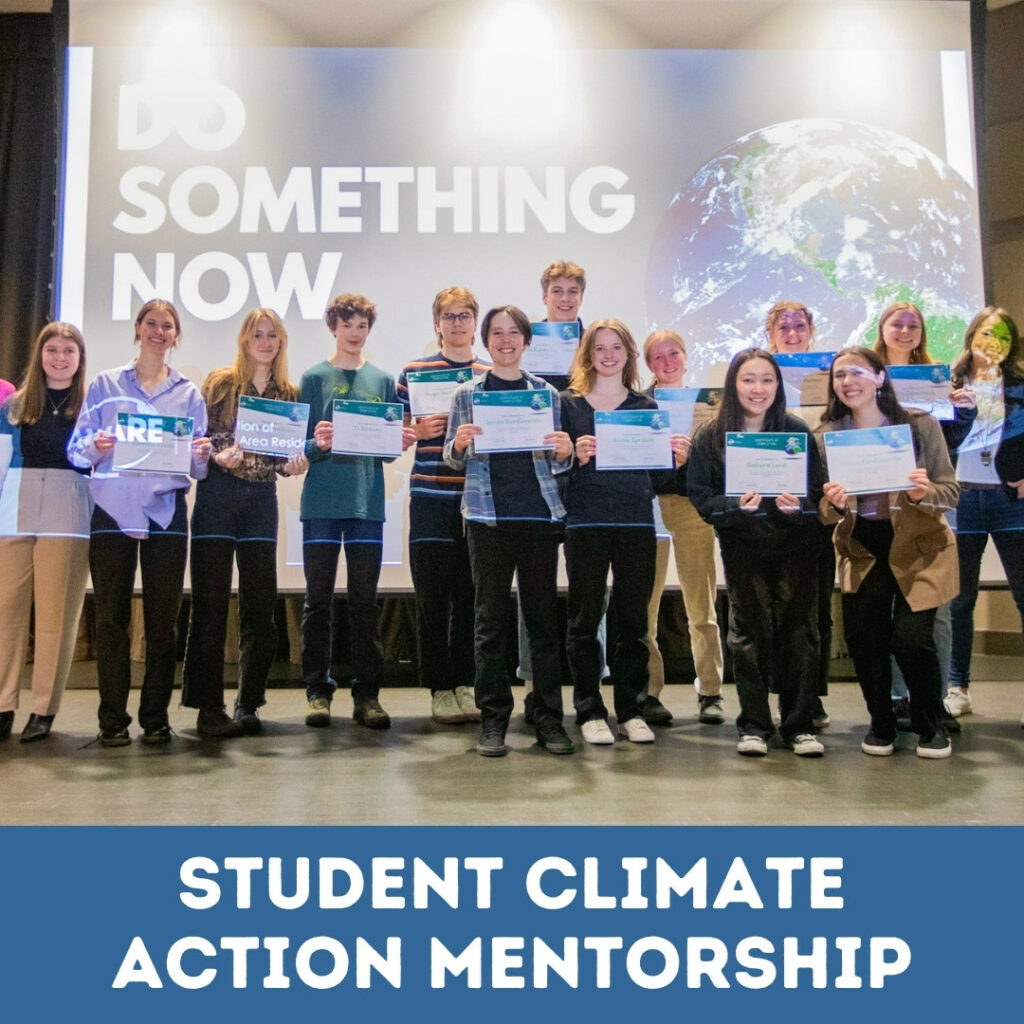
133 499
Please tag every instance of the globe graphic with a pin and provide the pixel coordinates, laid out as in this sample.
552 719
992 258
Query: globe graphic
842 216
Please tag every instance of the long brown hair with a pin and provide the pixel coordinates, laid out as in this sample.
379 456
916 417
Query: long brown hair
918 355
962 370
230 381
582 374
28 403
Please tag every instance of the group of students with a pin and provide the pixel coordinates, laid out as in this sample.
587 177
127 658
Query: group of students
479 519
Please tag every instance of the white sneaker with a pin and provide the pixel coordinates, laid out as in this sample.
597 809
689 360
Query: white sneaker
636 730
958 701
596 731
465 697
806 745
752 746
444 708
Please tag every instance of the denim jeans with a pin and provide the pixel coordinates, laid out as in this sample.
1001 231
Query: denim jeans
496 553
443 581
322 540
590 552
979 514
232 519
113 557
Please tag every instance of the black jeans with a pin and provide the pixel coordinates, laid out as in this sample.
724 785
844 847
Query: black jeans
113 557
630 552
233 518
879 623
321 547
443 581
496 553
773 635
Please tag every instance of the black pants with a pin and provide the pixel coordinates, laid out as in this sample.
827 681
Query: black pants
880 623
233 518
496 553
443 581
113 557
322 540
773 635
630 552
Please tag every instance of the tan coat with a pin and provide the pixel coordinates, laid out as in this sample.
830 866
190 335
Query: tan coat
923 555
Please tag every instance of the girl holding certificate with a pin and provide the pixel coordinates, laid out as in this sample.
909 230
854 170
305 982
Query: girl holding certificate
693 542
235 517
44 528
770 549
789 328
513 514
609 525
139 519
897 556
990 469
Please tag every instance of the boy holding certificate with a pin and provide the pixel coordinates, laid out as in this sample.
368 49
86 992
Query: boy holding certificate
343 503
438 553
513 515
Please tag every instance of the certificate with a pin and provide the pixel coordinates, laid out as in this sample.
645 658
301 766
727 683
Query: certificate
152 444
925 386
430 391
513 421
552 347
767 463
688 408
633 439
367 428
805 377
271 427
875 459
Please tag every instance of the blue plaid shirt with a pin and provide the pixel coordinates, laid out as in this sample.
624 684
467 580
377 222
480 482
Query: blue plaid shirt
477 499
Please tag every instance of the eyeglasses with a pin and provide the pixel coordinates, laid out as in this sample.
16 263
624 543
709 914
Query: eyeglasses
462 318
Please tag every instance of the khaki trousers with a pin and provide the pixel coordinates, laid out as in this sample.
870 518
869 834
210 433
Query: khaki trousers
52 572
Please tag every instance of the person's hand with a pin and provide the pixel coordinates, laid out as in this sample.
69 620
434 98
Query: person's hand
408 437
963 398
464 435
681 448
229 458
836 495
201 448
104 441
323 435
750 502
296 465
586 448
919 478
562 444
787 503
428 427
1018 485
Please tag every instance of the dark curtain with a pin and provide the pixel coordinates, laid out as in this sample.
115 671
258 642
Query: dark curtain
28 182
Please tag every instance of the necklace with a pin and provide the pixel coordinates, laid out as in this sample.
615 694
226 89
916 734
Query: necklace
55 406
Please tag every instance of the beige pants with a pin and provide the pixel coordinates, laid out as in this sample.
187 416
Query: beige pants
694 543
53 571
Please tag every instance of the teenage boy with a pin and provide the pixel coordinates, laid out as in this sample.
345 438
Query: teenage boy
438 553
343 504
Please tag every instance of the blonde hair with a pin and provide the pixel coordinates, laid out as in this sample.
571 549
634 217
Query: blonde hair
582 373
230 381
775 315
662 334
454 296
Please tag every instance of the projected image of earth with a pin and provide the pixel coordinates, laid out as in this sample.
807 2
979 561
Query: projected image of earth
843 216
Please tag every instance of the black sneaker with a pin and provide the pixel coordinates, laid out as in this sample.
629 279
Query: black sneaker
491 743
157 737
875 746
528 709
901 709
553 738
248 718
369 713
114 738
935 747
654 712
6 722
216 724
